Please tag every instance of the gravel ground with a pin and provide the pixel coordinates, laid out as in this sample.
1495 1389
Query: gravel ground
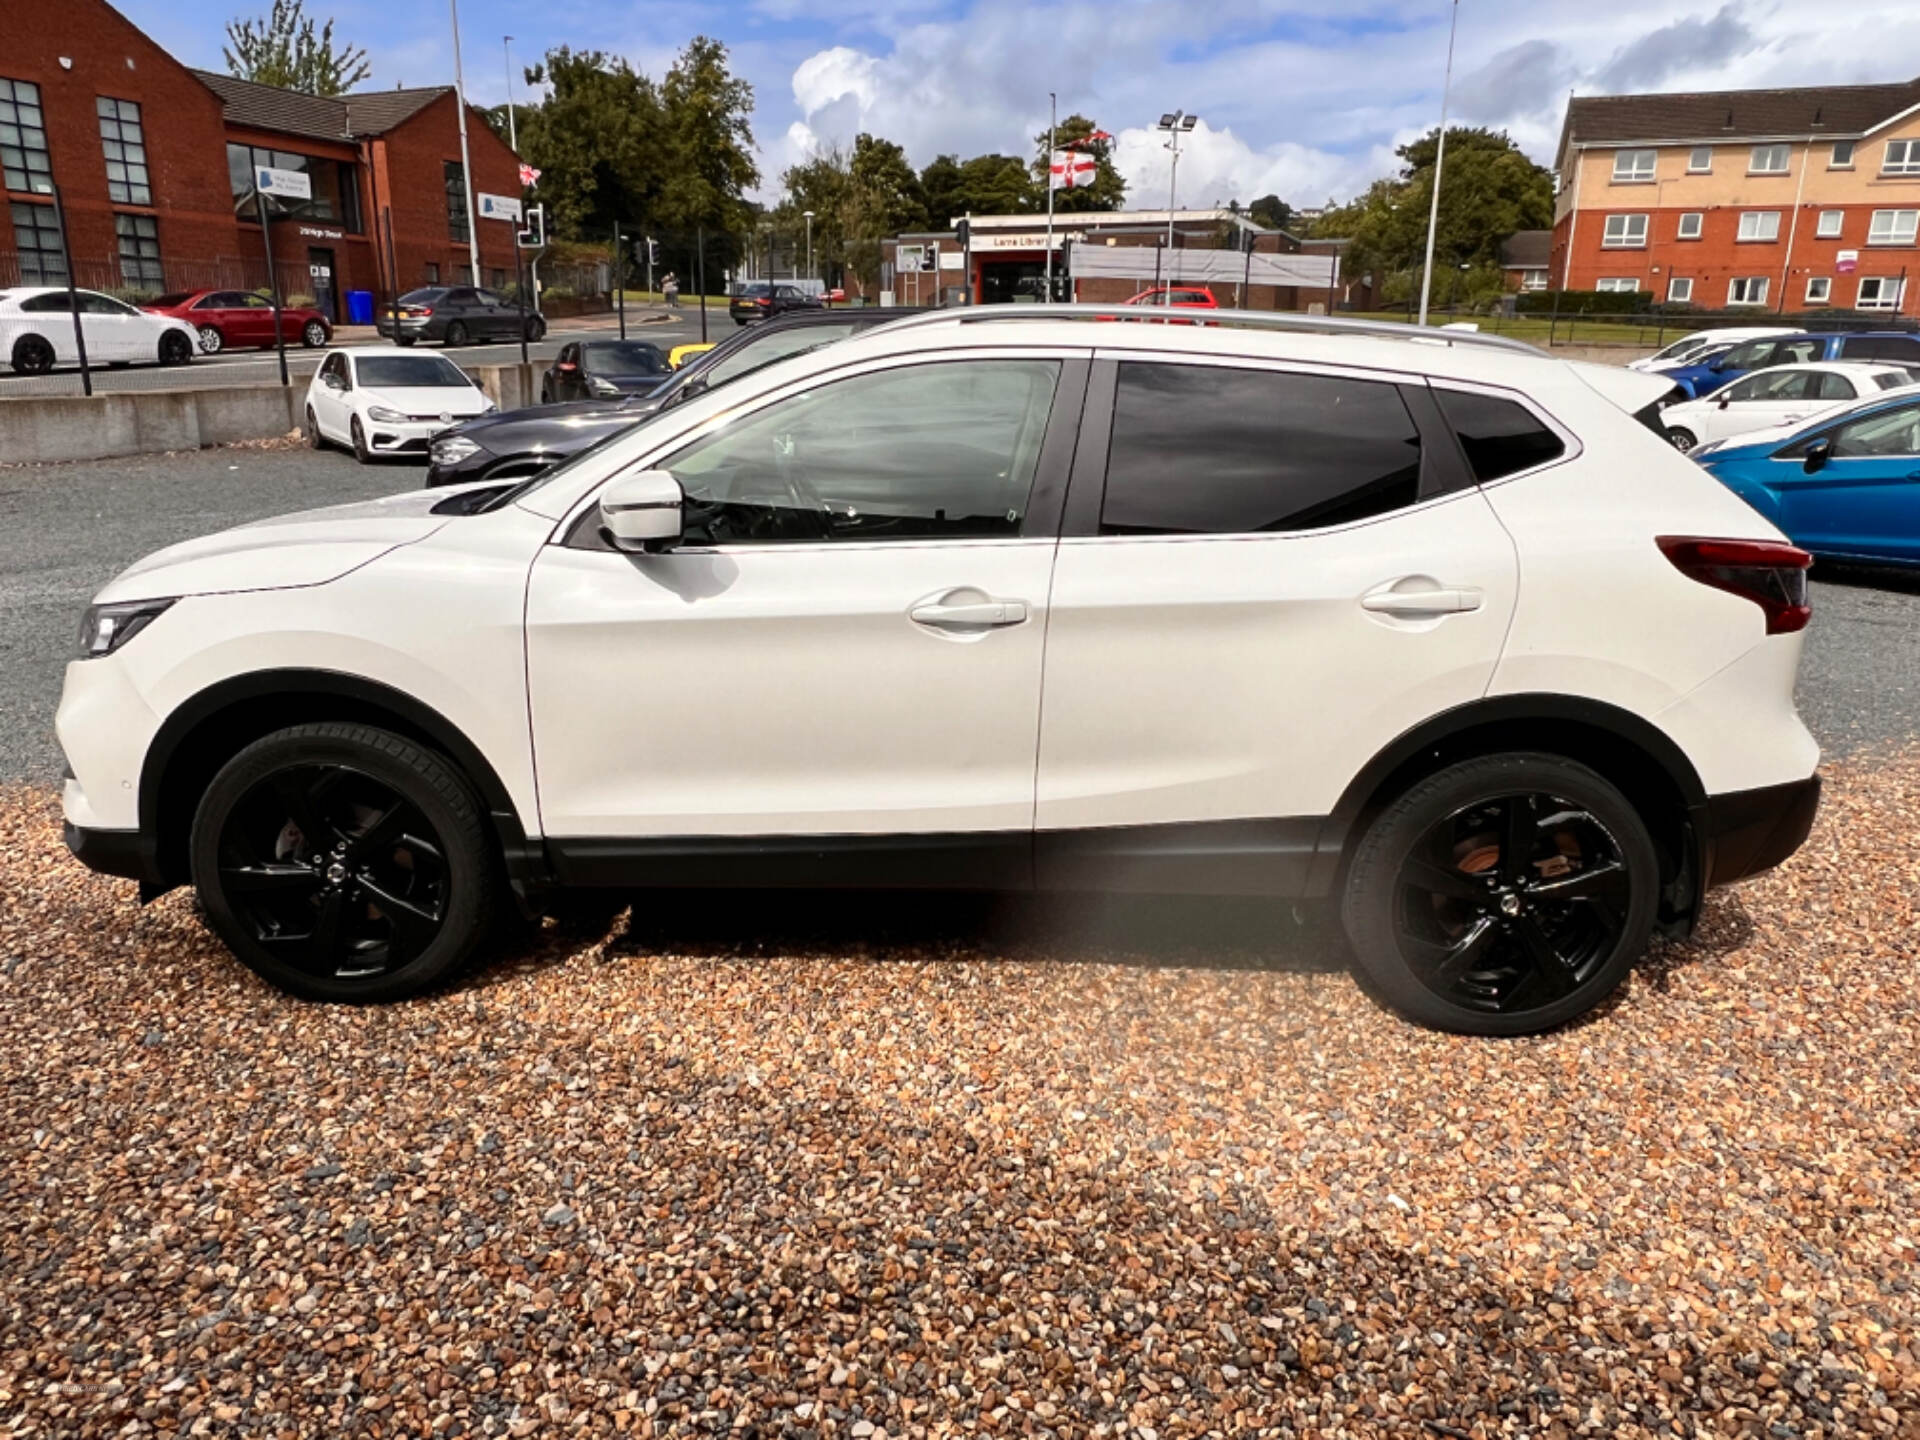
834 1165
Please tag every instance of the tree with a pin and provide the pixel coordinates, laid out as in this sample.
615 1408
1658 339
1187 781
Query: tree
1489 190
1272 212
707 142
884 198
1108 191
984 185
285 50
823 185
595 140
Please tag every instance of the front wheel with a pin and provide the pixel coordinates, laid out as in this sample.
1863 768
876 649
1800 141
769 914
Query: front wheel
536 328
1502 896
32 355
175 348
315 440
341 862
360 451
456 334
1681 438
313 335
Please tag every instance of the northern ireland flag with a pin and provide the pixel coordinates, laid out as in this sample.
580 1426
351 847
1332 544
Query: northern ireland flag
1073 170
528 175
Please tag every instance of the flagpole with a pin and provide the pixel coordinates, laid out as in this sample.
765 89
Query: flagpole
1053 123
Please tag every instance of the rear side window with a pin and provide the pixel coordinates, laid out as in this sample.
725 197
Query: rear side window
1203 450
1499 436
1881 347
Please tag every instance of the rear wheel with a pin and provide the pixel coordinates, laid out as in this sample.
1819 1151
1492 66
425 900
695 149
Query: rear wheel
175 348
536 328
313 335
1681 438
340 862
456 334
315 440
1502 896
32 355
211 340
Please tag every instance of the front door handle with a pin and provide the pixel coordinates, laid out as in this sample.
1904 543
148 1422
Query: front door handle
1421 602
970 614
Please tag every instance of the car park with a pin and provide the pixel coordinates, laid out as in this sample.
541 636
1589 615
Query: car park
1778 396
241 319
1691 349
37 323
761 300
456 315
1356 649
1886 347
604 370
378 400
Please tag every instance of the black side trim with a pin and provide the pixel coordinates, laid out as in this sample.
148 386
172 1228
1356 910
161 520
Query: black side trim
989 860
1049 495
1089 488
1219 857
1443 467
126 853
1748 831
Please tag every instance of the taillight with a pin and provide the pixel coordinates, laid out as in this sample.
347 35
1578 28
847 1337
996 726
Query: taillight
1770 573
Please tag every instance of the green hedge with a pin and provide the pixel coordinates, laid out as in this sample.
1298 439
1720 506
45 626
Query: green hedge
1589 302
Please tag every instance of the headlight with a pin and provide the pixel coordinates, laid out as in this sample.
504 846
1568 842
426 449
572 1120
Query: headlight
385 416
108 627
453 450
602 387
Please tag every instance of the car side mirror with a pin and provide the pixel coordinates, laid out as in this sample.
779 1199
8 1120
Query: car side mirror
641 512
1818 454
333 382
1725 400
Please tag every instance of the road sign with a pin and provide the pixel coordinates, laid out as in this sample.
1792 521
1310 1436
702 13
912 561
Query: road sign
292 183
499 207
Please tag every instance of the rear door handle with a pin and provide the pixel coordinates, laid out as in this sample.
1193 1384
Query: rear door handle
1421 602
971 614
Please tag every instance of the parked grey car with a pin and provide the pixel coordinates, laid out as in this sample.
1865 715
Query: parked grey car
456 315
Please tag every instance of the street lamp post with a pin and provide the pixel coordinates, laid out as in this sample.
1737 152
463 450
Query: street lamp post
1439 158
1176 124
513 134
810 274
466 159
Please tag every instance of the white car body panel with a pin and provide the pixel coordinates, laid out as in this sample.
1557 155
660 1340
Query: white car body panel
130 338
429 409
1710 419
1730 335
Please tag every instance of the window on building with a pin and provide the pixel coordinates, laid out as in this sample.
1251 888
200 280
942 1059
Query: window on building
1902 157
1760 225
1842 155
140 268
1199 450
1819 289
36 236
1768 160
1830 224
1500 437
24 161
433 272
1624 232
1533 279
1631 166
335 185
1879 292
125 146
499 278
1679 290
1892 227
456 181
1617 284
1691 224
1700 160
1747 290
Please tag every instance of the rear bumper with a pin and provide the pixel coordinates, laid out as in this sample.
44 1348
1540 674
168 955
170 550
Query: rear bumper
126 853
1747 831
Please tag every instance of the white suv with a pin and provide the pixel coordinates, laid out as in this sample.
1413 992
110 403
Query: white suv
995 598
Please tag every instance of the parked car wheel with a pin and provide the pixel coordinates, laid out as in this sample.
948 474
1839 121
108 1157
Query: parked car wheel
536 328
315 440
360 451
1502 896
1682 438
403 341
175 349
211 340
340 862
546 393
313 335
457 333
32 355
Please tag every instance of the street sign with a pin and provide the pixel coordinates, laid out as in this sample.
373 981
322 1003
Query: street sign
292 183
499 207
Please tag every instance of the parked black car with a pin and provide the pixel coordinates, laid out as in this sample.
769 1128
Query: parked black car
604 370
455 315
519 443
762 301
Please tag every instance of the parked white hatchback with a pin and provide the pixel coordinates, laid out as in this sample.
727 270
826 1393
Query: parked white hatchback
1781 395
994 598
1691 349
383 400
36 331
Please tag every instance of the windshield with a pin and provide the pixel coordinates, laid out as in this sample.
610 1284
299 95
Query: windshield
623 357
410 372
751 291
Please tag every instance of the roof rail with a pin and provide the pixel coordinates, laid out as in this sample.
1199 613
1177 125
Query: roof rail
1252 319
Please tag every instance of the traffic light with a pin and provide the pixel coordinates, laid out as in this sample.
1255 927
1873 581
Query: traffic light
961 230
534 236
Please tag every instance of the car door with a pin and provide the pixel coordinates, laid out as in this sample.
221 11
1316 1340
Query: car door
254 316
1769 397
1865 499
565 381
502 319
462 307
846 643
1266 575
112 330
333 399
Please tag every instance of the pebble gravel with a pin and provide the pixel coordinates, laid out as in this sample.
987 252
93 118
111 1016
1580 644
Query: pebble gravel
846 1166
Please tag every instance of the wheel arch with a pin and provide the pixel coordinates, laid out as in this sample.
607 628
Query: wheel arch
1631 752
203 733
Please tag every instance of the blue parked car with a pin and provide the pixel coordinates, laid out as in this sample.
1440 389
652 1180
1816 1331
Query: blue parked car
1846 486
1889 347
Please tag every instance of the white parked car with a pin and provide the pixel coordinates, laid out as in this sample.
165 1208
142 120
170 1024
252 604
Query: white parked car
383 400
1691 349
1782 395
36 331
1442 631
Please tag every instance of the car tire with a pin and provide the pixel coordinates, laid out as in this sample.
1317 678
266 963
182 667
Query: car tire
403 341
536 329
546 395
32 355
1681 438
456 334
360 451
175 348
315 440
343 863
212 342
1451 933
313 335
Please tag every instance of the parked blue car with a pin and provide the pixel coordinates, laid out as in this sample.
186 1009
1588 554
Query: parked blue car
1887 347
1845 487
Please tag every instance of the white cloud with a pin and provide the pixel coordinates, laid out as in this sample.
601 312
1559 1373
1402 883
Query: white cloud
1217 165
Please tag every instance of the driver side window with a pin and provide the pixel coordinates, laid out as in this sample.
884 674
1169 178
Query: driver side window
941 451
1890 433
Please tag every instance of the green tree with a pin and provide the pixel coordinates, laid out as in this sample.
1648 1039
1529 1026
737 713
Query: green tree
1272 212
984 185
595 141
284 49
1108 191
823 185
706 141
943 188
884 199
1489 189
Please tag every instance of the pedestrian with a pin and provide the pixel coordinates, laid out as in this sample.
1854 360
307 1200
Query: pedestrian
670 289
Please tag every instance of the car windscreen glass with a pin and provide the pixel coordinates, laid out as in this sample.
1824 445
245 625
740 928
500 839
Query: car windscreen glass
751 292
410 372
623 357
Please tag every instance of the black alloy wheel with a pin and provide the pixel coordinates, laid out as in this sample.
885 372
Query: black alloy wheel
536 329
211 340
360 450
315 440
32 355
1502 896
175 348
341 862
313 335
456 334
1681 438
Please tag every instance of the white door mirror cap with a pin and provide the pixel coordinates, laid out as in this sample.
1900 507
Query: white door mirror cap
641 511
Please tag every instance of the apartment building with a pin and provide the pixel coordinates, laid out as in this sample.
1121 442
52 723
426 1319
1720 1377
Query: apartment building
1767 200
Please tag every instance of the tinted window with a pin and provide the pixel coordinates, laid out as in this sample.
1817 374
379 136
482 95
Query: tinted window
623 357
171 299
1796 352
1891 432
941 451
1201 450
410 370
1499 436
52 300
1881 347
461 297
1893 382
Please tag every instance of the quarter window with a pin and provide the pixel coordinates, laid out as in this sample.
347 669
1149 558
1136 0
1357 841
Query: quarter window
1624 231
36 235
139 238
1830 224
1760 225
1634 165
943 451
1700 160
1902 157
455 175
24 162
1747 290
1691 224
1768 160
1819 288
1206 450
1499 436
125 147
1838 387
1892 227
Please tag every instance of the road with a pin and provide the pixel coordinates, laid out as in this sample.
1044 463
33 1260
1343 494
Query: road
65 529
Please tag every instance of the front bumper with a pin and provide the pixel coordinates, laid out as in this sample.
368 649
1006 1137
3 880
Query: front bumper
1747 831
414 437
129 854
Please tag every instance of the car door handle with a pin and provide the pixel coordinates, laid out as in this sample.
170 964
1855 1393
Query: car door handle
1421 602
970 614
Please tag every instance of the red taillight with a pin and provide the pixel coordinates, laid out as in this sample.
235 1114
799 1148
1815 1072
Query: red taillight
763 302
417 312
1770 573
566 367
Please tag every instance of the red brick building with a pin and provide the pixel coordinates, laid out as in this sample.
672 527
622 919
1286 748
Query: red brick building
154 164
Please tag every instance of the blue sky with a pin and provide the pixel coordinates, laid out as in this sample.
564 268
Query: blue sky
1303 97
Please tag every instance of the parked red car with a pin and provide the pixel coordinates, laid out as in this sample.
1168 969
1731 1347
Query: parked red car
1176 297
237 319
